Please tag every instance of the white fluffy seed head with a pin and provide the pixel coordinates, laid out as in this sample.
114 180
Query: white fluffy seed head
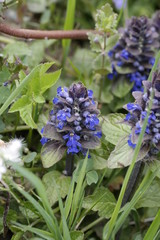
2 168
11 151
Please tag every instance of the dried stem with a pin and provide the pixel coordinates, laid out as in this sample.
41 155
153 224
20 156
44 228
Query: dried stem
44 34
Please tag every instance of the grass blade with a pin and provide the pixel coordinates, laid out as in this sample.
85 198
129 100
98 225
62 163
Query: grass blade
68 25
153 228
78 191
37 183
39 232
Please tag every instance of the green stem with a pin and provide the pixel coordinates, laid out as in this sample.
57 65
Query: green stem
11 129
92 224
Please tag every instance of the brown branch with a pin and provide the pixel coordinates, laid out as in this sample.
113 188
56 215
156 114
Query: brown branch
43 34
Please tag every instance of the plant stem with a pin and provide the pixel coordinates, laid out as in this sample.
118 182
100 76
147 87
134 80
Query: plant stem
11 129
69 165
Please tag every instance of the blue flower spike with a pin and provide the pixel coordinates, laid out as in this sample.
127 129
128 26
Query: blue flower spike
73 123
138 112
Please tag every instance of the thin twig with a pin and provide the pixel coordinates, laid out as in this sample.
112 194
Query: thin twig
44 34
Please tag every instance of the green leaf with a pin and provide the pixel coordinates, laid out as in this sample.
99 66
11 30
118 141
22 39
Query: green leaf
26 115
22 102
111 41
51 153
99 162
32 88
155 167
96 42
29 157
77 235
2 125
48 80
21 87
98 63
123 154
29 211
17 49
151 198
62 183
102 201
121 87
106 19
4 94
113 128
36 6
92 177
4 74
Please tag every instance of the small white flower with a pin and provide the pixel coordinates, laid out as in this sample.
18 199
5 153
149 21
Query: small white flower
2 168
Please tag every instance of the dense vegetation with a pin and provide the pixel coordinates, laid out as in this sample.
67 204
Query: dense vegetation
80 120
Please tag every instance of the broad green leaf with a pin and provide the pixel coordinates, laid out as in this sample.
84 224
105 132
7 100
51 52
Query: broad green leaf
106 19
48 80
62 183
51 153
113 129
36 6
92 177
32 88
77 235
123 154
111 41
4 74
2 125
37 48
154 165
102 201
22 102
102 67
17 49
121 87
151 198
4 94
29 211
19 89
26 115
99 162
29 157
96 42
82 60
